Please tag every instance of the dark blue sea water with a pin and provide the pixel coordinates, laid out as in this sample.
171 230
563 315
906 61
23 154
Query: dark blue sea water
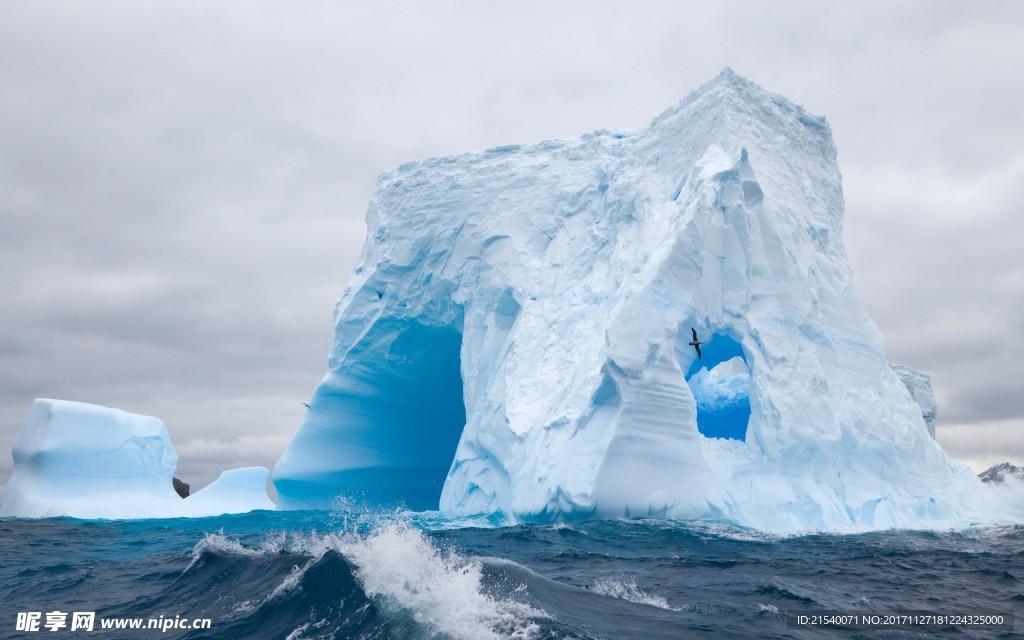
321 575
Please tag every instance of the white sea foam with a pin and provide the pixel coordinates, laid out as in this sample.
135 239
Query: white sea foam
729 530
628 590
442 591
407 575
219 543
288 584
299 633
245 606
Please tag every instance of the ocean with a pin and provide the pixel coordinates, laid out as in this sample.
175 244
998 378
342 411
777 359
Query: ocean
305 574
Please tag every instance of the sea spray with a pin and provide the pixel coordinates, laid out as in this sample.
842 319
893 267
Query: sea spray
441 590
400 570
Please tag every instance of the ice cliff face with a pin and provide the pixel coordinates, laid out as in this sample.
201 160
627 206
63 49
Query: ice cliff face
515 336
919 384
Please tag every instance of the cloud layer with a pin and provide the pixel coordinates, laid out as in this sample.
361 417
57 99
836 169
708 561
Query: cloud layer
182 187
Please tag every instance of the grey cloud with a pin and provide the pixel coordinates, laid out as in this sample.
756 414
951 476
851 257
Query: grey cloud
182 186
984 444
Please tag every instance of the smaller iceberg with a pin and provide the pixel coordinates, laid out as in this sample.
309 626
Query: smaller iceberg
87 461
246 486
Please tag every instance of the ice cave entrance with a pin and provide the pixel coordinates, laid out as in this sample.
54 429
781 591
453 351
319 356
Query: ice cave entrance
432 392
407 413
720 382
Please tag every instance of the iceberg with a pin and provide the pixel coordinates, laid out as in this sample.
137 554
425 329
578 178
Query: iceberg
514 339
87 461
234 491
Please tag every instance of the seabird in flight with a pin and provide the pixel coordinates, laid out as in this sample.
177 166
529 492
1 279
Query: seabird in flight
696 343
306 405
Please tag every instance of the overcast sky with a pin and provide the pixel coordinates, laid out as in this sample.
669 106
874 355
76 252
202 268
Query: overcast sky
183 185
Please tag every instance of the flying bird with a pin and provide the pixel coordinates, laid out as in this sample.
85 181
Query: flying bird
696 343
306 405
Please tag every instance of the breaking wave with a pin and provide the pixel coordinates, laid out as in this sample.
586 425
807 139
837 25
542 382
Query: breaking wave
392 581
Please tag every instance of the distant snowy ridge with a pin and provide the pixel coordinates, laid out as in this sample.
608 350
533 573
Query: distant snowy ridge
515 337
87 461
1000 472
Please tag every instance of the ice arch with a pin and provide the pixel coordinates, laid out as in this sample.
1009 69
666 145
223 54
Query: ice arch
384 428
720 383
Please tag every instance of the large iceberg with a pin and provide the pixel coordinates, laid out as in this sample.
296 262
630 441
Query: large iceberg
87 461
515 337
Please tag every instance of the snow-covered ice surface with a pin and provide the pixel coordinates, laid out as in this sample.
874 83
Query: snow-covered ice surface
514 338
87 461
